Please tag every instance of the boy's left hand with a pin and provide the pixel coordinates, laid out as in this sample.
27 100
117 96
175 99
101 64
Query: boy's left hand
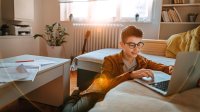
171 69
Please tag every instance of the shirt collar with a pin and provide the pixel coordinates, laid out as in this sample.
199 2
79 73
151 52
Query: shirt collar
120 56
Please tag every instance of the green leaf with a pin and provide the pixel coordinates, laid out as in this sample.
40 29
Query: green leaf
54 34
37 35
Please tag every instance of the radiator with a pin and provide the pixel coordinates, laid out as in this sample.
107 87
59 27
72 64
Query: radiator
102 36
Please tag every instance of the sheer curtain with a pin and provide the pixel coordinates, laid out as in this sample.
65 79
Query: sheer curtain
106 10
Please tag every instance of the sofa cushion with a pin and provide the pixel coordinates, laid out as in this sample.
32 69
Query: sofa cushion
98 55
130 96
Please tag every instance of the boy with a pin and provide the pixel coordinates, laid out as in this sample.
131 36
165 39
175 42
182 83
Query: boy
126 65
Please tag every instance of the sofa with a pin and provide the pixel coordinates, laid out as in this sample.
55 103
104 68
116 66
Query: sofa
130 96
133 97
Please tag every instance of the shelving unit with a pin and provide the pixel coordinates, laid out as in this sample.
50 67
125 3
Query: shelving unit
168 28
180 23
18 10
180 5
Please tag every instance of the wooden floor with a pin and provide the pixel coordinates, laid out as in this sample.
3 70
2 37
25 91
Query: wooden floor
73 81
22 105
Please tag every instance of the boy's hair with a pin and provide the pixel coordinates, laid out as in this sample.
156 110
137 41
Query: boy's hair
131 31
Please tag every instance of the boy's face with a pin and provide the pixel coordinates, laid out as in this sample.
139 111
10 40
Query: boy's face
132 46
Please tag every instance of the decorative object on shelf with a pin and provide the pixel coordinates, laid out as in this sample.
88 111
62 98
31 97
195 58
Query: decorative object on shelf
137 17
70 17
55 35
192 17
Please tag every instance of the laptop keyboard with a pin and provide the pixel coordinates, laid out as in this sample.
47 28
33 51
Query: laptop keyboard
161 85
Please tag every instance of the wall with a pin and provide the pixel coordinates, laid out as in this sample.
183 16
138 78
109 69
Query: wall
51 14
15 45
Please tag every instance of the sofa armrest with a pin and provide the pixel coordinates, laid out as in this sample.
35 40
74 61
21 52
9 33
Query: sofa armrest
154 47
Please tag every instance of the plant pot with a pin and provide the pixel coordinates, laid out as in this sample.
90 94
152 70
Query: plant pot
54 51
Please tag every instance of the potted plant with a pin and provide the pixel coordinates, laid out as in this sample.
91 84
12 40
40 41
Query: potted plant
55 35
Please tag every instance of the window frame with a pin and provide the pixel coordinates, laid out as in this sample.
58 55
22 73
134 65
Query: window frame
117 19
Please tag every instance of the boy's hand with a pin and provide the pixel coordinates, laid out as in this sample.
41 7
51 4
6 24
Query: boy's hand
142 73
171 69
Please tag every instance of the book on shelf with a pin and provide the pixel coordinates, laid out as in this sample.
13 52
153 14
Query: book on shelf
171 15
178 15
165 16
162 16
179 1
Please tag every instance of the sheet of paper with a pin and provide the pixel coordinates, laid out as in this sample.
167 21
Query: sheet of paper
9 74
28 70
35 63
30 67
32 75
6 65
43 62
26 65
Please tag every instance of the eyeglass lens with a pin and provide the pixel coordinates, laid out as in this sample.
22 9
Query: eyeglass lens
133 45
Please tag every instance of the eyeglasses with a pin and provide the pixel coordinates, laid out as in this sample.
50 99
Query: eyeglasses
132 45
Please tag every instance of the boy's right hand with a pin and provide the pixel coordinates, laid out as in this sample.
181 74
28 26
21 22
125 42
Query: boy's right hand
142 73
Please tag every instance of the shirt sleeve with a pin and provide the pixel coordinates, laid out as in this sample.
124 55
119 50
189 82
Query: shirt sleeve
107 67
157 66
107 70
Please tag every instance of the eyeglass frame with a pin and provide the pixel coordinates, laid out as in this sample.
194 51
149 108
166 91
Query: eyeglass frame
134 45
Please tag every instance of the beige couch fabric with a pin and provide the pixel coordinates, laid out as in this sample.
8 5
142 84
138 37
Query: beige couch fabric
133 97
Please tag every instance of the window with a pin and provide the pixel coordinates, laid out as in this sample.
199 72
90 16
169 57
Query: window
106 10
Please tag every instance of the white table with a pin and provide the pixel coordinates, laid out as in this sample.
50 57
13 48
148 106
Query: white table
50 86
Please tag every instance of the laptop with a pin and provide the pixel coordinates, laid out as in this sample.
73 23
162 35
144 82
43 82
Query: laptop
185 75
